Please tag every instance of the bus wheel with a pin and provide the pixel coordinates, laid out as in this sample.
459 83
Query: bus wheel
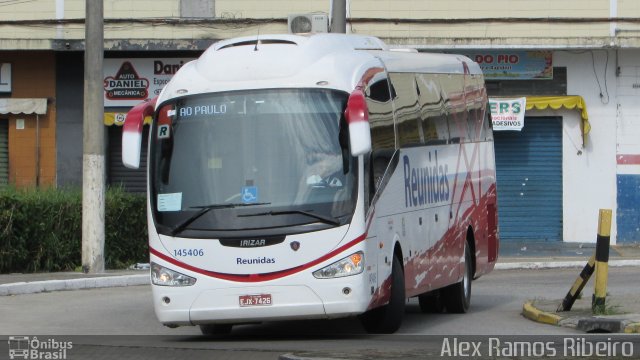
216 329
431 302
388 318
458 296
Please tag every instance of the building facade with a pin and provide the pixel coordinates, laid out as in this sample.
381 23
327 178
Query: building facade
578 152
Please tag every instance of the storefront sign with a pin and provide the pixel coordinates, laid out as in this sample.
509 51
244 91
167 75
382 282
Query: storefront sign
508 114
127 82
5 78
514 65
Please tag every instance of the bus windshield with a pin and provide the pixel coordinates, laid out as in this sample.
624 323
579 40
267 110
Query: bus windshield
262 160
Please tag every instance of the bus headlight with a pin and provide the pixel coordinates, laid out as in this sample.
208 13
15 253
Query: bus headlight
351 265
162 276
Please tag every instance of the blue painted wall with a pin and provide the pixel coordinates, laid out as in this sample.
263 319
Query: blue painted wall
628 214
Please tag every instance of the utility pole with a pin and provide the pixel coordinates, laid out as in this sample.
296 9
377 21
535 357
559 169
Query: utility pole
93 158
339 16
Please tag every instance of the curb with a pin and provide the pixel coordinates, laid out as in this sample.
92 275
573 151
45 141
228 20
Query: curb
595 324
531 312
528 265
633 328
295 357
73 284
586 324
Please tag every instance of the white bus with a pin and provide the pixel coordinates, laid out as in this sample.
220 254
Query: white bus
320 176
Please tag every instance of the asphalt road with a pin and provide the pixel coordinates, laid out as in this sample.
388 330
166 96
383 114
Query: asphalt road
127 315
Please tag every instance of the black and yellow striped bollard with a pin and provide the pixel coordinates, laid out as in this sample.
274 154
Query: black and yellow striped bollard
602 261
601 257
578 285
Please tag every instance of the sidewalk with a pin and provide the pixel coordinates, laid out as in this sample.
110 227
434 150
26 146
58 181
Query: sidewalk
19 284
623 314
546 255
624 317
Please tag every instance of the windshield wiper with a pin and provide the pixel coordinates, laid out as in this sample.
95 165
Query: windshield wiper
324 219
205 209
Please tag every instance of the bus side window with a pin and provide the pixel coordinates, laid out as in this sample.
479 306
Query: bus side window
452 86
378 97
475 100
410 132
487 124
432 110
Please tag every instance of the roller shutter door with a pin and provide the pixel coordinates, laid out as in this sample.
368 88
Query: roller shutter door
529 177
4 153
132 180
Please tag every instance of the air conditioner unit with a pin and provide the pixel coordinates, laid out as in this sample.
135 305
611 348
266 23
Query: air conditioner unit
308 23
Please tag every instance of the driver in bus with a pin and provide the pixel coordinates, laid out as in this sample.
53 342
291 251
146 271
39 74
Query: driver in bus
325 170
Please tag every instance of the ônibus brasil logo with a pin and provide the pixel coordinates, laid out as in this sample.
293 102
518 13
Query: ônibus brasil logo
126 85
25 347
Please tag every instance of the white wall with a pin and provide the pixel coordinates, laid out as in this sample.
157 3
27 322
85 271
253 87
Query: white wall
589 173
629 100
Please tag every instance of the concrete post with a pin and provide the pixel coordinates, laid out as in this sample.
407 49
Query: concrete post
93 144
339 16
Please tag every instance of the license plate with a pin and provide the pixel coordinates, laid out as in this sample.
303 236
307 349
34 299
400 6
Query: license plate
255 300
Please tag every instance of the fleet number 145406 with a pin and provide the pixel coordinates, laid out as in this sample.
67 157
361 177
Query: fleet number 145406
188 252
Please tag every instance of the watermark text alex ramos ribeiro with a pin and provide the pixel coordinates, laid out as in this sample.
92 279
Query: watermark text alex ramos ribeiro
496 347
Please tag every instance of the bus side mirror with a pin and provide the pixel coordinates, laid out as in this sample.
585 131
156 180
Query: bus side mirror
357 116
132 132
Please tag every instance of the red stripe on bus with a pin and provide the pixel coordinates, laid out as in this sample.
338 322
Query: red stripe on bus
258 277
628 159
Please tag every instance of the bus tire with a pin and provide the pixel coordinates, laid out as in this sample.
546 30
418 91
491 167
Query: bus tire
388 318
216 329
458 295
431 302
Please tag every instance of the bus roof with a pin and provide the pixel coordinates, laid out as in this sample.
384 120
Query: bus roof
335 61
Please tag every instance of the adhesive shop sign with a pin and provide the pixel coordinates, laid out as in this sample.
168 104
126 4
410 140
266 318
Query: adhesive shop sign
127 82
508 114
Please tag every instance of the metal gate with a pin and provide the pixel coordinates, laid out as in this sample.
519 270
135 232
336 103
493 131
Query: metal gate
529 178
132 180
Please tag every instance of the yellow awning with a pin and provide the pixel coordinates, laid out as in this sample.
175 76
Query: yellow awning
568 102
113 118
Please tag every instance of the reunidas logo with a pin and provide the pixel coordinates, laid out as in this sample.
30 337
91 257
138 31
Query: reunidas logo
258 260
25 347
